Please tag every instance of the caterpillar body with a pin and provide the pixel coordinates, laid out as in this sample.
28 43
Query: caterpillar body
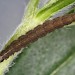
38 32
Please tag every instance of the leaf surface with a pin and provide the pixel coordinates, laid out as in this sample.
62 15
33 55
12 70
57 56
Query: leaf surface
53 54
47 55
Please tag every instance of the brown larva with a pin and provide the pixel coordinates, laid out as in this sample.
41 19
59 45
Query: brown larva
38 32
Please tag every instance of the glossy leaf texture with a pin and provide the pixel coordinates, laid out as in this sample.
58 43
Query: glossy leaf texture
53 54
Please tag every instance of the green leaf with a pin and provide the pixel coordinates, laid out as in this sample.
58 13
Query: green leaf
34 17
31 8
48 11
37 58
29 13
53 54
72 10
